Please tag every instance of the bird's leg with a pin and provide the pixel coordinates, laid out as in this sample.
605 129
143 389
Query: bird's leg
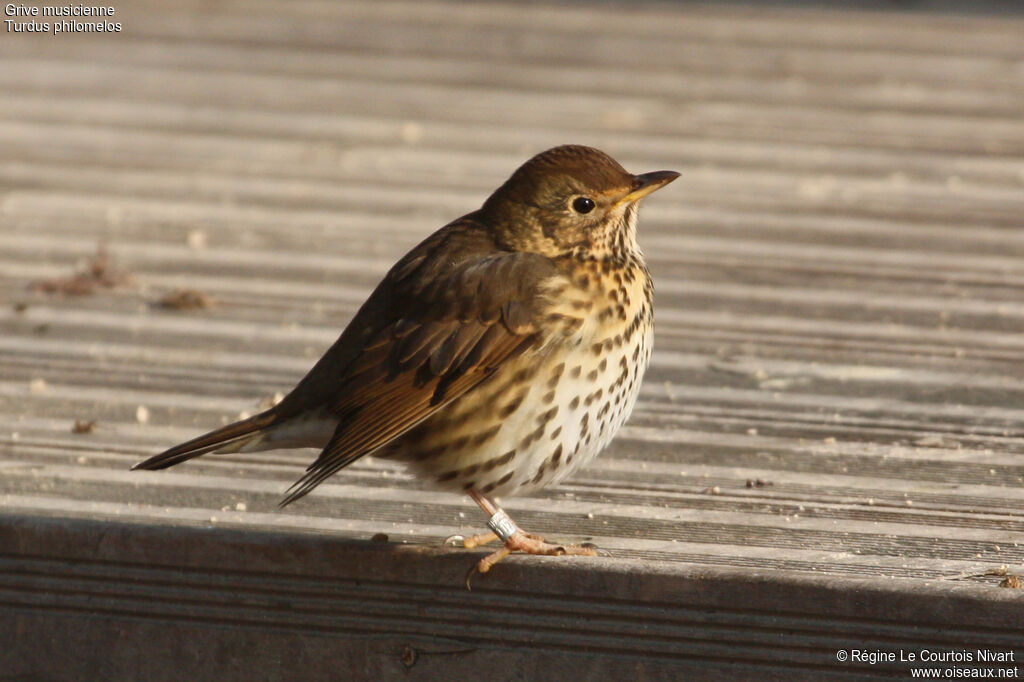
505 529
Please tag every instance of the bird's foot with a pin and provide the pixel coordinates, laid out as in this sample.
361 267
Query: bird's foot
527 543
532 544
515 539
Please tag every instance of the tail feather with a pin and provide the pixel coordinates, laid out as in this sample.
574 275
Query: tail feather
230 438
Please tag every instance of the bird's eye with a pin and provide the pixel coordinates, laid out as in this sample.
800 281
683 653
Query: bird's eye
583 205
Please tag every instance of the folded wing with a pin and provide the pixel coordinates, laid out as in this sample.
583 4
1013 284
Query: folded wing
440 335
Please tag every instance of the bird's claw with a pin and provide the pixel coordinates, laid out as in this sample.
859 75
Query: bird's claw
454 541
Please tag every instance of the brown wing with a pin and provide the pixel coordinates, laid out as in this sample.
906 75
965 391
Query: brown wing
454 315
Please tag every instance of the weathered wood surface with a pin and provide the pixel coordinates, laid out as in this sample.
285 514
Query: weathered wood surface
829 447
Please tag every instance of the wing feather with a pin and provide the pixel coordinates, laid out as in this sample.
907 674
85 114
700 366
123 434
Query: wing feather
444 335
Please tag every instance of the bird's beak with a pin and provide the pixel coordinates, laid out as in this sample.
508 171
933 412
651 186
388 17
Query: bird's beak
645 184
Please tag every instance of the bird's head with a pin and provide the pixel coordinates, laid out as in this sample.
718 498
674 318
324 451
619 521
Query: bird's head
571 200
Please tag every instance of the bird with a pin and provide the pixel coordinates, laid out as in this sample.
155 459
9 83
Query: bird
498 356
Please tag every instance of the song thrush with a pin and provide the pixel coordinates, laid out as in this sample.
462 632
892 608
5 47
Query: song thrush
496 357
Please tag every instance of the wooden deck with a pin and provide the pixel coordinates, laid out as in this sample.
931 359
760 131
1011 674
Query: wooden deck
828 453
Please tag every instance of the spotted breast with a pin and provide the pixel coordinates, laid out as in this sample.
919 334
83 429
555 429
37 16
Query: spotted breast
539 419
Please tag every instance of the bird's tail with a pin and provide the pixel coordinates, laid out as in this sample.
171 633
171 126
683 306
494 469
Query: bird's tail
230 438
